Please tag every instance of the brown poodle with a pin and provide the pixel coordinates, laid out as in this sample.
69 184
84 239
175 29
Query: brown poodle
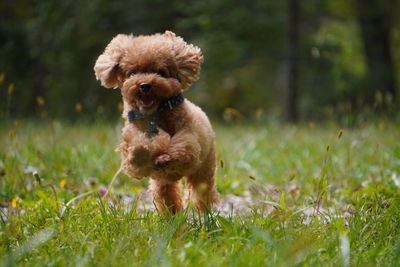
165 137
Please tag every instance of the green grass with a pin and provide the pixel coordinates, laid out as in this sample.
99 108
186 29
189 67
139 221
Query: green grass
359 174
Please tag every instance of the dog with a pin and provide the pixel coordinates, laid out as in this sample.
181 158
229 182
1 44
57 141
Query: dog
165 136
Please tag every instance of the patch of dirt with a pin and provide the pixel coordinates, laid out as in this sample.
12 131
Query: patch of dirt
228 205
260 199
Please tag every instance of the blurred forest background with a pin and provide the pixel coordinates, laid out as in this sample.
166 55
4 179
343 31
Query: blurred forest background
291 59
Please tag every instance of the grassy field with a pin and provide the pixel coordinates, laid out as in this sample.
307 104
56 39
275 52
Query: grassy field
315 194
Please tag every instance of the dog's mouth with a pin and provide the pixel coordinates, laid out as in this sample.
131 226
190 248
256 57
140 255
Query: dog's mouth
147 101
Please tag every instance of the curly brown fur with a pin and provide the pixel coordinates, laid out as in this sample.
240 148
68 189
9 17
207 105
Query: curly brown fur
184 145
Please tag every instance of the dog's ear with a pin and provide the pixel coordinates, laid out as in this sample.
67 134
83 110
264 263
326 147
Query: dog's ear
188 60
107 65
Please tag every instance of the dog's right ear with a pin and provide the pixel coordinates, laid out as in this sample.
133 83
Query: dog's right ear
107 65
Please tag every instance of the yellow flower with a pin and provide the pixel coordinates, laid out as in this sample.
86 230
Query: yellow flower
63 183
15 201
120 106
232 114
78 107
40 101
10 88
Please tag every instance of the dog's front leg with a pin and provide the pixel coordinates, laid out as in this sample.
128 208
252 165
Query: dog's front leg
183 150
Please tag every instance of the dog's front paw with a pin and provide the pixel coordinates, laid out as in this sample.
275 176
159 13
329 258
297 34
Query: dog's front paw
140 156
162 160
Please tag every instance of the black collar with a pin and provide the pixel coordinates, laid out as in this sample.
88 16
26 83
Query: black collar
168 104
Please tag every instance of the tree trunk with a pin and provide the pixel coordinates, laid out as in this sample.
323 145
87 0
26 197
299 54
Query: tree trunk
291 109
375 26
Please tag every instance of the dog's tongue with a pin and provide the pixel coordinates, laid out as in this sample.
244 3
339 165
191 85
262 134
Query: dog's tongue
147 101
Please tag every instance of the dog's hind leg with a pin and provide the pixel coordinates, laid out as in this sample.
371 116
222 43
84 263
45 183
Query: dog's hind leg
202 185
167 195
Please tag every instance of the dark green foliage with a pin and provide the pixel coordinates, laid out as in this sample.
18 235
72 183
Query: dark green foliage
48 49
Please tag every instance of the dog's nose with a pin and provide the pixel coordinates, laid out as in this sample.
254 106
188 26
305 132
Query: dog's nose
145 87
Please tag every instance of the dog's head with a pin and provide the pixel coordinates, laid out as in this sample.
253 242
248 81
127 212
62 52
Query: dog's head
148 69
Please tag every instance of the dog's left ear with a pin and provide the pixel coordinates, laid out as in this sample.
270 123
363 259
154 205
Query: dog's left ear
188 60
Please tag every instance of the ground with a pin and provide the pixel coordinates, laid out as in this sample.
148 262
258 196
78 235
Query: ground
309 194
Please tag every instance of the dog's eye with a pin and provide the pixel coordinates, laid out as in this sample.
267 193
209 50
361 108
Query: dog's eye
162 73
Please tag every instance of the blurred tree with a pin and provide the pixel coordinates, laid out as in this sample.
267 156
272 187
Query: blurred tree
243 44
292 62
48 49
374 17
